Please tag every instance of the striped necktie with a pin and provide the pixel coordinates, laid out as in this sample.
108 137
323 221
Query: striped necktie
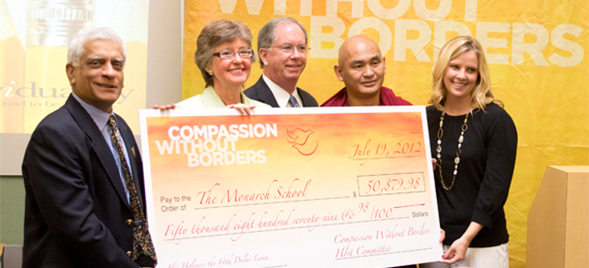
142 239
293 101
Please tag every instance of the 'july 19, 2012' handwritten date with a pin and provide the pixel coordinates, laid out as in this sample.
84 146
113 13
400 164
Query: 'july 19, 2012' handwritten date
368 151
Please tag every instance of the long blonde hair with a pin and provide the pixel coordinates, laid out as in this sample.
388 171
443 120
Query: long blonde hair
481 94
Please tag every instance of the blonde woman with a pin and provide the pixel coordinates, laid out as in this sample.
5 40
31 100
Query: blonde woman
474 142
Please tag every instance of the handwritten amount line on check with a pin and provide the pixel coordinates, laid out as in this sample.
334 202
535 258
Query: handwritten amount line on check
289 228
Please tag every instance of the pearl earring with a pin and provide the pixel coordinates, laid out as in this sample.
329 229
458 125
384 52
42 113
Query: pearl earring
210 72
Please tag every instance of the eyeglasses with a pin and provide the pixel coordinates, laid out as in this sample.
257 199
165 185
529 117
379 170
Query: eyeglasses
229 54
288 48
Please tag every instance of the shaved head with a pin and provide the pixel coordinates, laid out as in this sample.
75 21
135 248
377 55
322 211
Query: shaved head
353 45
361 67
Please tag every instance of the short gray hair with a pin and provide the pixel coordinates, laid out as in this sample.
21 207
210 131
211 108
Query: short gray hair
214 34
75 49
267 34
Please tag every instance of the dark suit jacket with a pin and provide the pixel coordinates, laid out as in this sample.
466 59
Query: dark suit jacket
261 92
76 208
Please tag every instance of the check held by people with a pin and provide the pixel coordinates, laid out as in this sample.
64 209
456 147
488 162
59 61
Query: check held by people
328 187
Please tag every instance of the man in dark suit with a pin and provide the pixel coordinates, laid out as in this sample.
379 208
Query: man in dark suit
282 47
84 195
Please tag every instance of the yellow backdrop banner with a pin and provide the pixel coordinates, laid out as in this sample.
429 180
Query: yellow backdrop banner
536 51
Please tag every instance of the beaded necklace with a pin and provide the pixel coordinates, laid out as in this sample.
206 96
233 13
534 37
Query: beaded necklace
458 150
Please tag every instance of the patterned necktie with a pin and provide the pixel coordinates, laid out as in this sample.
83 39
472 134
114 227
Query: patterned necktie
142 239
293 102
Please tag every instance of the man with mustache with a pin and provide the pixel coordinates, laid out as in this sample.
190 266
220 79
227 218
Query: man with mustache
282 47
361 67
82 170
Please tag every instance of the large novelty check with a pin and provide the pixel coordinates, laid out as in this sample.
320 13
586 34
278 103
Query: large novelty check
313 187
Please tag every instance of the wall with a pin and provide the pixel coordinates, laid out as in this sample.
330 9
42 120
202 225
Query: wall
12 209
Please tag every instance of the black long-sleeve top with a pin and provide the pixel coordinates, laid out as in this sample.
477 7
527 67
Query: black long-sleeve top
484 173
